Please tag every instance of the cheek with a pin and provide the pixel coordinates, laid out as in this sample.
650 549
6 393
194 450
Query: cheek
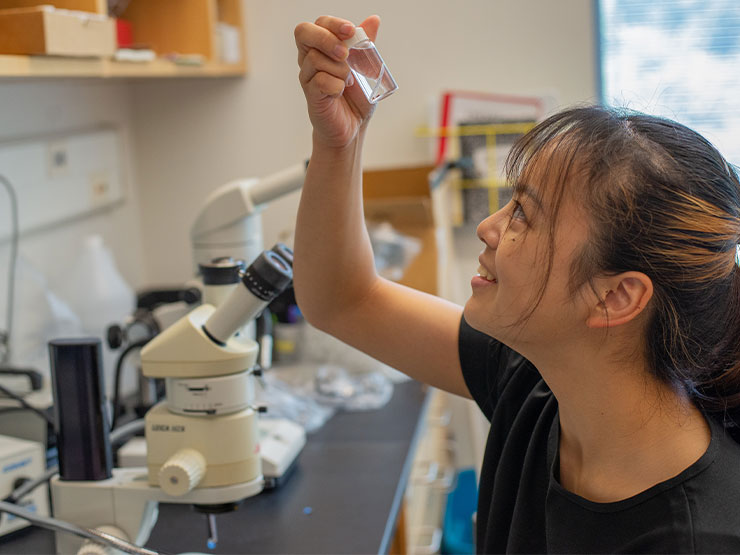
516 262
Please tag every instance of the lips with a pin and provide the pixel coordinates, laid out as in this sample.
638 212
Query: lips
482 272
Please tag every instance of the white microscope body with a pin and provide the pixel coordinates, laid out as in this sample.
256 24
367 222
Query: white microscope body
203 440
205 433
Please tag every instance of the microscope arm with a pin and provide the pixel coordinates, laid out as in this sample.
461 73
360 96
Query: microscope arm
230 222
240 199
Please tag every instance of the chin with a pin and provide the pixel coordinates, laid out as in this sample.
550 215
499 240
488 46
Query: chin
479 318
473 317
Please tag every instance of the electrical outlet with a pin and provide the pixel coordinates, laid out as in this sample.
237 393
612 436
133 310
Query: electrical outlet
58 159
100 189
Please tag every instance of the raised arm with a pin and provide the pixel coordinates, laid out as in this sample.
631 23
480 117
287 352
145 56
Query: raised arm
336 284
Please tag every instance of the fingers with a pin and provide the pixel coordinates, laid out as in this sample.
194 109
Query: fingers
316 63
323 85
322 53
371 26
325 36
342 28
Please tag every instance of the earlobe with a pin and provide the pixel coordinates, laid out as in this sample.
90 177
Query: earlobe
626 296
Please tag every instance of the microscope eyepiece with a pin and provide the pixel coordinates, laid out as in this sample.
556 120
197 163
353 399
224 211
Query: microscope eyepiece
267 276
285 252
263 280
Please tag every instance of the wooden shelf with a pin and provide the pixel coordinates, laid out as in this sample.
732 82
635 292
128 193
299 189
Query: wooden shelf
54 66
165 26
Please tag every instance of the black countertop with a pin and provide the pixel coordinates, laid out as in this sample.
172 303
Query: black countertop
343 496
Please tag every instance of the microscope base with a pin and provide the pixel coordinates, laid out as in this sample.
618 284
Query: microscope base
128 502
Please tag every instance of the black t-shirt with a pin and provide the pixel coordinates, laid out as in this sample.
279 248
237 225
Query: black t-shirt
523 509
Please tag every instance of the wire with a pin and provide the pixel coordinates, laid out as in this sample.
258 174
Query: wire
118 435
11 266
117 378
62 526
122 433
23 490
5 391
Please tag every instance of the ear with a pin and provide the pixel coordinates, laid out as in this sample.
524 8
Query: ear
622 298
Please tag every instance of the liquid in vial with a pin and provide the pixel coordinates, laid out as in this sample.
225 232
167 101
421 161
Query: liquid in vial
368 67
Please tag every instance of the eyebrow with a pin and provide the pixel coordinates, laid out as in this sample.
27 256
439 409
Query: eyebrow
523 189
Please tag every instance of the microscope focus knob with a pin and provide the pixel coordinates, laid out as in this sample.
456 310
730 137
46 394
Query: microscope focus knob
182 472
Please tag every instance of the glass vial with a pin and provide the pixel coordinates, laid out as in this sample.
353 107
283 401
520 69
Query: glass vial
368 68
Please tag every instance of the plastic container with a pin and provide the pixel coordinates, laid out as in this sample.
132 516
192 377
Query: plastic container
457 530
96 290
99 295
368 67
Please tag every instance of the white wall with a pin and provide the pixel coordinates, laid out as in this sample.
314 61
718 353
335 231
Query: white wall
32 108
192 136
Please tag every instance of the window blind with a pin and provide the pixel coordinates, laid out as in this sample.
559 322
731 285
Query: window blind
675 58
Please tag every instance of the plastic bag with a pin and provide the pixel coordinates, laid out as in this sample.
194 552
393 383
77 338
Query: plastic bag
393 251
330 386
39 315
321 348
333 385
283 401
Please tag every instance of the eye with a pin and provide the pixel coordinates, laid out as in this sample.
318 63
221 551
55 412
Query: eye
518 212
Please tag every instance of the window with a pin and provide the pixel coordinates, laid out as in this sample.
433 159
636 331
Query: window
675 58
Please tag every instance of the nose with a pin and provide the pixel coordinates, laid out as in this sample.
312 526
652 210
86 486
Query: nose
489 230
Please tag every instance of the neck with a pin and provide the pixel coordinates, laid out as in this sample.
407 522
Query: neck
622 431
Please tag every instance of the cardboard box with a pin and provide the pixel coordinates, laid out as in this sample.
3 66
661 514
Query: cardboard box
51 31
401 197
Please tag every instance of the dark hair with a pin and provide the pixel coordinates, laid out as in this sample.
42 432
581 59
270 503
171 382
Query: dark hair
661 201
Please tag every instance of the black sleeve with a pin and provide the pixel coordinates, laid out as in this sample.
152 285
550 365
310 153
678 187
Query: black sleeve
485 363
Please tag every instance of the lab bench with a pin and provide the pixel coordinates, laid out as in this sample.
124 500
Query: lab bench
344 495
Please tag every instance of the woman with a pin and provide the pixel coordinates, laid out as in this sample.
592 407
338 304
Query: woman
601 336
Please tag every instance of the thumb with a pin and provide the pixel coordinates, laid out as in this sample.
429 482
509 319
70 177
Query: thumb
371 26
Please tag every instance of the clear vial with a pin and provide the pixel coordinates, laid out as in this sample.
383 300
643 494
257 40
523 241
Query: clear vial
368 68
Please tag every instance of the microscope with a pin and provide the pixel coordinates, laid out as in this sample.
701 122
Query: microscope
204 444
202 440
226 235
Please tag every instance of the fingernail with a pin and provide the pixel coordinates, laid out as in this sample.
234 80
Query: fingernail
340 51
351 81
346 29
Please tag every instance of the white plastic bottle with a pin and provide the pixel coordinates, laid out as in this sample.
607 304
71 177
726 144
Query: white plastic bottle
96 290
99 295
368 67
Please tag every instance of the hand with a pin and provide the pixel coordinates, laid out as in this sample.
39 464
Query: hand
336 106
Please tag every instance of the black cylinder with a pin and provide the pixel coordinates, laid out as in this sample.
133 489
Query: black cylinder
285 252
221 271
267 276
79 406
